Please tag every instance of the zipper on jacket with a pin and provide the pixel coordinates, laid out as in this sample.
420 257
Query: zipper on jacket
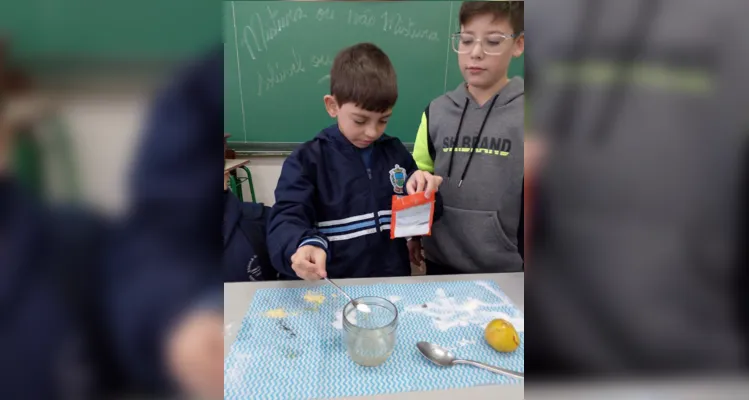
374 196
371 191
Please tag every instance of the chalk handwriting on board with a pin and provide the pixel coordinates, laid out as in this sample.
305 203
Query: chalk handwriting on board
393 23
365 18
321 61
398 26
325 14
279 73
262 29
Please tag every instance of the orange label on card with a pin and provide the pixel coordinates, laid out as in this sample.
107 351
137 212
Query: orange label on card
412 215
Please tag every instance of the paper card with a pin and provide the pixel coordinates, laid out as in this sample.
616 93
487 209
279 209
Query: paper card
411 216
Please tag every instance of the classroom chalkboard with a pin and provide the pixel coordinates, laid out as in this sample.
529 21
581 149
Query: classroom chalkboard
78 33
277 58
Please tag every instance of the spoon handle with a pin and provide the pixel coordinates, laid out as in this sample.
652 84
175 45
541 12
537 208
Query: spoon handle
492 368
339 289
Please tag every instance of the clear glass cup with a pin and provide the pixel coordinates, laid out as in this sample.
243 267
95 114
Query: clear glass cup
370 337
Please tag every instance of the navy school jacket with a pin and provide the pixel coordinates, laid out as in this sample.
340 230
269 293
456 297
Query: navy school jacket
245 252
328 198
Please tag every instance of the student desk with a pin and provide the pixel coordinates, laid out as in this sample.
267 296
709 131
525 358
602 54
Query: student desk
238 296
230 167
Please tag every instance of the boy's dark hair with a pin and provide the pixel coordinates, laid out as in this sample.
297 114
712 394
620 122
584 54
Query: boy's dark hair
362 74
512 10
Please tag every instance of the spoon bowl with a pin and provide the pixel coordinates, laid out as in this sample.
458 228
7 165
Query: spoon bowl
436 354
445 358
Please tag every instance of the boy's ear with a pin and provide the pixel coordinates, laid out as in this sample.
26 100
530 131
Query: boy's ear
519 46
331 105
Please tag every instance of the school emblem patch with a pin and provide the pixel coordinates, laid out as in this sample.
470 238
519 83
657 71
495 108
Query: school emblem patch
398 178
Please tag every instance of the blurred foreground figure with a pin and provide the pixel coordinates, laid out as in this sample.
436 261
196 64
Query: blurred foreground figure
92 308
641 110
171 247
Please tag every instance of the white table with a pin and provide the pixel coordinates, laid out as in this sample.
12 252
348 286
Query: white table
238 296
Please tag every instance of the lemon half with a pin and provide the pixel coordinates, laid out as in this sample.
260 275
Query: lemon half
501 336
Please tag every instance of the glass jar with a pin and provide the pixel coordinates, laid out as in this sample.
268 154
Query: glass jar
370 337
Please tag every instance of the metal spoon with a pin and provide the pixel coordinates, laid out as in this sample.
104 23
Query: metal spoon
446 358
361 307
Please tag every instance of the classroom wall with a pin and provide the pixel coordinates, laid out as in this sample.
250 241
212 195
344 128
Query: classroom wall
104 117
265 172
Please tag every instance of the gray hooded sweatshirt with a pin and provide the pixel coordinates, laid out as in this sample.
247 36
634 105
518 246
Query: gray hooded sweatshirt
478 150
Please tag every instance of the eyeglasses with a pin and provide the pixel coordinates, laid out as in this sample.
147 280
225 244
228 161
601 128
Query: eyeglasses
463 43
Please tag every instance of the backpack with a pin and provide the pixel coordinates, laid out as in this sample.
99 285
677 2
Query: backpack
253 226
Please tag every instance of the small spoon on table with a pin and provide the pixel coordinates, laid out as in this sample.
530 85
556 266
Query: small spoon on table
446 358
361 307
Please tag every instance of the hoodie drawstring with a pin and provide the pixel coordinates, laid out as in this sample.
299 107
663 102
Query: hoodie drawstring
475 142
457 137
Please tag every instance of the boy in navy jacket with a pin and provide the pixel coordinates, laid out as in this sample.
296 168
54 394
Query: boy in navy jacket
333 199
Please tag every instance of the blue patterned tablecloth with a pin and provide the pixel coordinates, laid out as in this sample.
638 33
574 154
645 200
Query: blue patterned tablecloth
288 347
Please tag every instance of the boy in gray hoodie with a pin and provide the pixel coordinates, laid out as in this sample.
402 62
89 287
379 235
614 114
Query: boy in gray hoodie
473 137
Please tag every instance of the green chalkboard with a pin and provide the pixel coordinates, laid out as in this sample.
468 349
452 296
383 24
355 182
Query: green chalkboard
61 33
277 58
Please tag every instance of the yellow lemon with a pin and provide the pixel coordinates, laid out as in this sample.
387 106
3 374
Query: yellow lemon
501 336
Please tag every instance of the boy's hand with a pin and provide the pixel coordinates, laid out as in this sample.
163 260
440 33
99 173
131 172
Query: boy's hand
309 263
422 181
195 353
414 251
